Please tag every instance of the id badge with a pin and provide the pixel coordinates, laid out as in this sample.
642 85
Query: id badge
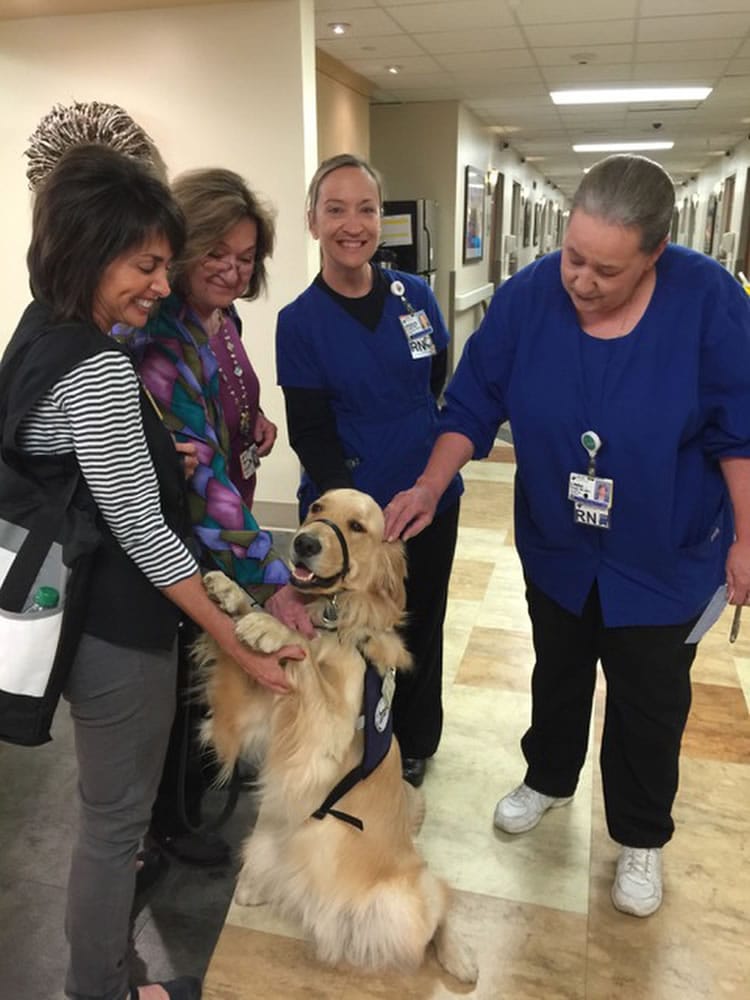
249 461
592 499
418 332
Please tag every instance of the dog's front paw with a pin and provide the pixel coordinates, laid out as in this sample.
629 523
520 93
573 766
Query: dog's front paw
455 955
227 594
264 633
248 893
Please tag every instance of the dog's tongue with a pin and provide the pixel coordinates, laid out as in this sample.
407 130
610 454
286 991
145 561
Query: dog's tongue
302 573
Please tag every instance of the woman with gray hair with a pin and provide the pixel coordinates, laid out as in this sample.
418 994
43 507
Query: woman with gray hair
623 365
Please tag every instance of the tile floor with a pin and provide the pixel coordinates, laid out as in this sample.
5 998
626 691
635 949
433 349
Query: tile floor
536 906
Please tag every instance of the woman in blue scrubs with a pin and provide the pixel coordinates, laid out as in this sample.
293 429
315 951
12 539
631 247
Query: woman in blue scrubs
623 364
361 357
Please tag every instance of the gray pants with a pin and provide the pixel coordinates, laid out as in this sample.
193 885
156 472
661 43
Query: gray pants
122 702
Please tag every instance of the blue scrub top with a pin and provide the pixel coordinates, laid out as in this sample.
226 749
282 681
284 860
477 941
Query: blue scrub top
386 416
668 400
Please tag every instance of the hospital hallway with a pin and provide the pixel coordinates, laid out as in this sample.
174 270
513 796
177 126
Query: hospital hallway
536 906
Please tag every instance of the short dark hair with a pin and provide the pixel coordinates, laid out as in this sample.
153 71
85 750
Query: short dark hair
95 205
213 201
629 190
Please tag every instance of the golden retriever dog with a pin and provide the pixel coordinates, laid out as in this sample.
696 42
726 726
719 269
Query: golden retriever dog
342 865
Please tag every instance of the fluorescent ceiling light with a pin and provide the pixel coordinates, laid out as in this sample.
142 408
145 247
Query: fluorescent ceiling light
630 95
619 147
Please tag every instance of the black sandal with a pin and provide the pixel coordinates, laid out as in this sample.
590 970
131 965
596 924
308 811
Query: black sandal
184 988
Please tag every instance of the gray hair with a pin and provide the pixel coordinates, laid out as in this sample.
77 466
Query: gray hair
86 123
334 163
629 190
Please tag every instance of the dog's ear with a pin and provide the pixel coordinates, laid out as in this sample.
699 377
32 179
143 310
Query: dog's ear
391 572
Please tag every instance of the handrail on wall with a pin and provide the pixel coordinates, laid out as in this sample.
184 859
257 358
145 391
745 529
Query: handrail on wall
477 296
461 303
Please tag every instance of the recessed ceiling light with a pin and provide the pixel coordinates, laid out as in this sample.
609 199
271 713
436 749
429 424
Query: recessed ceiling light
633 95
619 147
393 69
339 27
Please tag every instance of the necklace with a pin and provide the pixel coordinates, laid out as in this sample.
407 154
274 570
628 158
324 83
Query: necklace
241 400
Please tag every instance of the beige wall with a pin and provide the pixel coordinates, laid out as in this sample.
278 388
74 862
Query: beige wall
423 150
230 85
343 109
413 145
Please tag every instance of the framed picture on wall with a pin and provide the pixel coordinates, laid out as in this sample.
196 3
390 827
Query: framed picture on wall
526 222
708 236
473 214
537 222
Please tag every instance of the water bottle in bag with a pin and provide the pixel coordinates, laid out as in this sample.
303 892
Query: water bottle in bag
45 599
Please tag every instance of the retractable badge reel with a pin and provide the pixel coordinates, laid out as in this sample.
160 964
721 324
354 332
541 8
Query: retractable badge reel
415 324
591 494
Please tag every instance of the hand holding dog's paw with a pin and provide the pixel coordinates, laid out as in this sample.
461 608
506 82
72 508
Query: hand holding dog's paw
266 634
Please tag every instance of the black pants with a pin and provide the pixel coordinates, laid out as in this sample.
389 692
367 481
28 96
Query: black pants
418 705
647 670
169 814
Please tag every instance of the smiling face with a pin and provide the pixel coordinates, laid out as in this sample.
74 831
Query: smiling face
223 274
602 264
346 221
132 284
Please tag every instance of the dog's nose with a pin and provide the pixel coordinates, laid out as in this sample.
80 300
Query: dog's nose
306 545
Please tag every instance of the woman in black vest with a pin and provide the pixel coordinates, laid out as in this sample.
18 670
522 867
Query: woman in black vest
104 232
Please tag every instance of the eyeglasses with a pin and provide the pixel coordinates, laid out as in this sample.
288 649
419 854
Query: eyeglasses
217 263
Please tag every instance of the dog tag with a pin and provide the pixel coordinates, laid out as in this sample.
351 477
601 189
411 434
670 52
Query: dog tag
389 687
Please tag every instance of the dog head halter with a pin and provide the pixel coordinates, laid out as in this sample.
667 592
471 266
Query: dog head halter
326 581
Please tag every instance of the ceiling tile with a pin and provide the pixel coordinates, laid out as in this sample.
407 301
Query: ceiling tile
341 5
376 69
707 48
652 8
605 54
457 14
586 77
667 29
581 33
471 40
367 21
695 73
499 63
562 11
371 47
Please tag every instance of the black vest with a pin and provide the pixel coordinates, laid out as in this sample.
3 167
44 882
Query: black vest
123 606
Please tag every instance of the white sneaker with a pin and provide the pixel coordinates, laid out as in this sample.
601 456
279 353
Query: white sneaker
522 809
637 888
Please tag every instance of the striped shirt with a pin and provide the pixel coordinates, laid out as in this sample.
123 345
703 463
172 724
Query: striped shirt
95 411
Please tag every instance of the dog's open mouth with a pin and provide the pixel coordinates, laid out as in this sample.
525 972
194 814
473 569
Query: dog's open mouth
302 576
304 579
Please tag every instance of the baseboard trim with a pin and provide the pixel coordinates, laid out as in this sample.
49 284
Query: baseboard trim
276 514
